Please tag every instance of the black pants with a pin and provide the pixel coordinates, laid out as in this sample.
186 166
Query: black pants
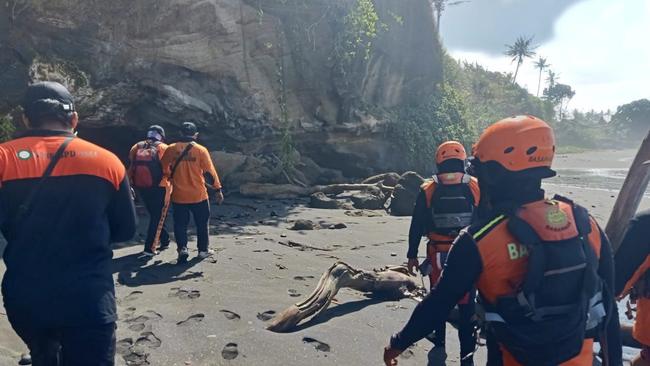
75 346
465 329
154 200
201 213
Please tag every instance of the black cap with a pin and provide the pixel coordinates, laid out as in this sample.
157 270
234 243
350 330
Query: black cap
158 129
188 129
48 100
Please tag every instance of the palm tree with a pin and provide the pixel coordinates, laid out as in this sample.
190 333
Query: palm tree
439 6
519 51
552 78
542 65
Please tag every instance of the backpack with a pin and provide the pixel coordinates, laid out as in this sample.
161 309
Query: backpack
147 169
452 203
560 302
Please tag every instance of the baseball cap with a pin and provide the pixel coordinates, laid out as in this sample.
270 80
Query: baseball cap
189 129
48 99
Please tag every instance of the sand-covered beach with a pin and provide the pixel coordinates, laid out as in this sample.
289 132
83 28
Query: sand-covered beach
215 311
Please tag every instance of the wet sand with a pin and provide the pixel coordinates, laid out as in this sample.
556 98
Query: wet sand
214 312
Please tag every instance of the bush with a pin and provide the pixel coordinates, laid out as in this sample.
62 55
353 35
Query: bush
418 129
7 129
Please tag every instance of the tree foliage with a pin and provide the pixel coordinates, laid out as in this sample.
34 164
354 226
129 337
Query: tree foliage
632 120
7 129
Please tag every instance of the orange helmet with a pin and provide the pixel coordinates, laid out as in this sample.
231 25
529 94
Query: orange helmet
450 150
518 144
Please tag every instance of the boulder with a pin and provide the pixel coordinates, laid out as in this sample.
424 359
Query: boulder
387 179
227 163
303 225
368 201
320 200
406 192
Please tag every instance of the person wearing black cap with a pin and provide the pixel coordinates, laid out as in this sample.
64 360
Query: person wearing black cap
65 200
145 173
189 168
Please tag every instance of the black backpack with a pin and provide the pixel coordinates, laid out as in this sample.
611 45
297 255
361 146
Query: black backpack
560 302
147 169
452 206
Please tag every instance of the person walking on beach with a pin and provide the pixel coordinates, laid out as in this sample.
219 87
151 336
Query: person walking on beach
189 168
541 266
446 205
63 201
633 279
146 174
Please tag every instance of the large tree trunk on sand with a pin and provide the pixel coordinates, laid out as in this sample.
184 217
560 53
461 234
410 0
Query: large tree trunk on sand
392 282
630 196
285 191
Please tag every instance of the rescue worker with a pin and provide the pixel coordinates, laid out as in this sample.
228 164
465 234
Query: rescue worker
146 173
188 166
539 265
446 204
63 201
633 278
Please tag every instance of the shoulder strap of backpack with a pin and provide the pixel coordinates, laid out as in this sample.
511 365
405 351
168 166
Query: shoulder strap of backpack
26 206
181 157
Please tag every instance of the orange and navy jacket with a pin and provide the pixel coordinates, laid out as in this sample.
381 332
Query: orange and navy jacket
422 220
161 146
59 257
192 174
488 256
632 263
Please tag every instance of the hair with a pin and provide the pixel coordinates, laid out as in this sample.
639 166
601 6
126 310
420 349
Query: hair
45 111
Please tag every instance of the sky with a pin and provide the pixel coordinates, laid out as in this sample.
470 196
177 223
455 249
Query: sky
599 47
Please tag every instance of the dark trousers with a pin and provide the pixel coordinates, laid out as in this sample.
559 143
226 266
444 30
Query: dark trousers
201 213
465 329
154 200
74 346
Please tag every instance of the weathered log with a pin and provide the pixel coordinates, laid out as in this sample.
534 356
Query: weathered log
383 178
392 282
629 198
285 191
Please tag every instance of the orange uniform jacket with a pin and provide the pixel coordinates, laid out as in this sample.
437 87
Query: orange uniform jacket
58 256
192 174
488 256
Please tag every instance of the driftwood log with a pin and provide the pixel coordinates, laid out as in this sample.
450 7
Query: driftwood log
287 191
629 198
392 282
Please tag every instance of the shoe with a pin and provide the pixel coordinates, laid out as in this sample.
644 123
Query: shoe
148 254
183 254
206 254
163 246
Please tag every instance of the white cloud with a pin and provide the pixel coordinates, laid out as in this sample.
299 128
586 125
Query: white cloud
600 48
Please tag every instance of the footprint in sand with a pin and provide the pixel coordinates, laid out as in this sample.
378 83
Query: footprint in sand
148 339
294 293
184 293
230 351
303 278
133 296
230 315
320 346
192 319
266 316
137 327
123 345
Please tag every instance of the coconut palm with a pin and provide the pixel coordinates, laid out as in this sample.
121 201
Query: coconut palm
541 64
439 6
552 78
519 51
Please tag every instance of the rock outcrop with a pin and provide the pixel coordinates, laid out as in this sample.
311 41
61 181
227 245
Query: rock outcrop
236 67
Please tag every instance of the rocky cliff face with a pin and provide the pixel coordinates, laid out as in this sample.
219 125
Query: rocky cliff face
242 69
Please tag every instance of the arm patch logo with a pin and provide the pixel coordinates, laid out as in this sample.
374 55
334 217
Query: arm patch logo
24 154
